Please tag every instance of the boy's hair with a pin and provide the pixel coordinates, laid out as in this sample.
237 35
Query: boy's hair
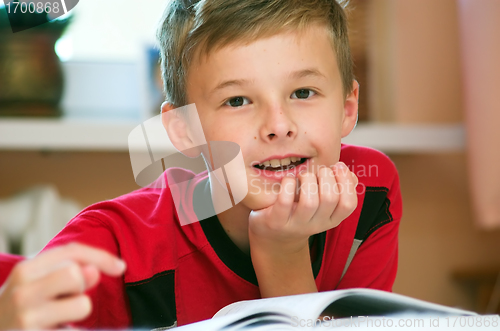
190 26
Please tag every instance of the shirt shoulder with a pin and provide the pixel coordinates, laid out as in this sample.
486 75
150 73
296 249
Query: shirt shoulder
372 167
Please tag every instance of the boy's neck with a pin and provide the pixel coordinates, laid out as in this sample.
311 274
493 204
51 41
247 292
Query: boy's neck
234 220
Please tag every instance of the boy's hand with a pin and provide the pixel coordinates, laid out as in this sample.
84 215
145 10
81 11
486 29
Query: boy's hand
279 234
324 202
48 291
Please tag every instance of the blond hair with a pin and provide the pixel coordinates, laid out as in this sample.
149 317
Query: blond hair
189 26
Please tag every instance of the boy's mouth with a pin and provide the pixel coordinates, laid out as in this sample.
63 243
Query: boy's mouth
284 164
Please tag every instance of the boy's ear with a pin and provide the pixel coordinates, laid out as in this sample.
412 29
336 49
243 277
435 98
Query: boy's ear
178 130
350 110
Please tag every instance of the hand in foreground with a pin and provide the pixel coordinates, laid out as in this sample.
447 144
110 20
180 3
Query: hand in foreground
48 290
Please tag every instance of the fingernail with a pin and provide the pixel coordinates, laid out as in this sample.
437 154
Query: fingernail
290 175
120 264
341 165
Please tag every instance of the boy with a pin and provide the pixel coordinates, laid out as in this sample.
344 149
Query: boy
275 77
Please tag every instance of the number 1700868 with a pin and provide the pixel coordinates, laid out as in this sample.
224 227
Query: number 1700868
33 7
492 321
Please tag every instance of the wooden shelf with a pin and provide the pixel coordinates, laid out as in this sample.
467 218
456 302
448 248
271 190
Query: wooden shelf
112 135
65 134
409 138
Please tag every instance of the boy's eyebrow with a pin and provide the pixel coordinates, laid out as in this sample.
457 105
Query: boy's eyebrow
232 82
293 75
305 73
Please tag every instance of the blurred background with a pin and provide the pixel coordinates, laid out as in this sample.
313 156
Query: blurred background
428 71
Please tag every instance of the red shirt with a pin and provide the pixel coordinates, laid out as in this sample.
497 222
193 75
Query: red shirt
183 274
7 262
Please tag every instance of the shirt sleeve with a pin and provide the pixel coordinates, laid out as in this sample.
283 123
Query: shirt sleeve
7 262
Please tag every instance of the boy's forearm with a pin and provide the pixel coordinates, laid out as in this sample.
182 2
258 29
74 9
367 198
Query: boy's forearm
283 274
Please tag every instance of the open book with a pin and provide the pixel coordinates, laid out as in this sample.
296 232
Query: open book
314 310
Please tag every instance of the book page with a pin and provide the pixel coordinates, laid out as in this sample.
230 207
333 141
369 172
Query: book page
341 303
298 311
242 320
306 306
368 302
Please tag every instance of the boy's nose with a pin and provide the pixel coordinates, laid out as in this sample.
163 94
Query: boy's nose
279 124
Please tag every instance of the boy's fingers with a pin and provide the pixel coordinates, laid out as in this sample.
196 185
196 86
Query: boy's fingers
66 279
54 313
91 275
308 199
82 254
282 208
348 198
328 198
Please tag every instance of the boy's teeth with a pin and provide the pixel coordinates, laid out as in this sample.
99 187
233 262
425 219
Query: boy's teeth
285 161
275 163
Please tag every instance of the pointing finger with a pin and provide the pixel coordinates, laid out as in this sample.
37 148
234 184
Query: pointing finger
82 254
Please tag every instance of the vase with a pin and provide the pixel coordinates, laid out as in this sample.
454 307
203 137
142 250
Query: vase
31 77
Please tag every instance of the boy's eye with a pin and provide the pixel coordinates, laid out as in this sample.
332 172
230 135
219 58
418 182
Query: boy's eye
302 94
237 102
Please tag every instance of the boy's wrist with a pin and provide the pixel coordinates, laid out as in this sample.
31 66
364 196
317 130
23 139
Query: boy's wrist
277 248
283 272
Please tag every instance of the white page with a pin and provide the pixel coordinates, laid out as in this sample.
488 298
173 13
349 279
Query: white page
308 305
311 305
215 324
404 300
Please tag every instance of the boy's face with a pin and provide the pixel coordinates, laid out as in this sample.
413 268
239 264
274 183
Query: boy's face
276 98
